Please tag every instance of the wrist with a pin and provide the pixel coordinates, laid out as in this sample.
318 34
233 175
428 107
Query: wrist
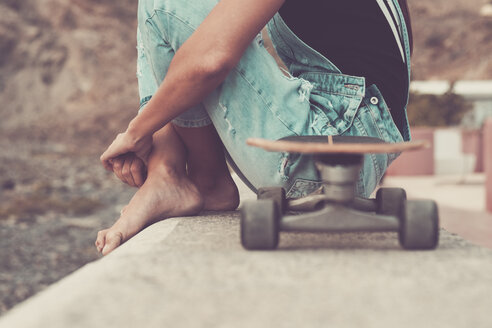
135 131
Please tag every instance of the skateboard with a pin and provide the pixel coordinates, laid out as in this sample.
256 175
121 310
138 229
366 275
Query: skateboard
335 207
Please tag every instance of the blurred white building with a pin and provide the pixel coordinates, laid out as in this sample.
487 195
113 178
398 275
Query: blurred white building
450 156
486 10
479 93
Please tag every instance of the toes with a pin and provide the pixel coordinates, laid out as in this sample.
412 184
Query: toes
108 240
113 240
100 241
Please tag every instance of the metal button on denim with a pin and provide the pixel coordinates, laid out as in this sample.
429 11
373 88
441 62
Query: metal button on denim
374 100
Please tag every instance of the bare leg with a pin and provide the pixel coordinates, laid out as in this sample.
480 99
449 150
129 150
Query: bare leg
207 167
168 191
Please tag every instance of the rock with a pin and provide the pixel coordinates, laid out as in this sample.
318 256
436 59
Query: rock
486 10
88 222
8 184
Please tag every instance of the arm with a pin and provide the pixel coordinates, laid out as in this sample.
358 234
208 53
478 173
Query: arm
198 67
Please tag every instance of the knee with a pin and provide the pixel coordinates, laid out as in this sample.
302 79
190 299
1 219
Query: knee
145 9
171 12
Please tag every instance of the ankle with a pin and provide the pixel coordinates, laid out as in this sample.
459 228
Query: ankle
219 191
163 170
211 180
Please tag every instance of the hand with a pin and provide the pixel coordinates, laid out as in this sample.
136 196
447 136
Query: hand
130 169
124 144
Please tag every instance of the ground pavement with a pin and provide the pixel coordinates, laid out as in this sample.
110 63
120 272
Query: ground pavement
192 272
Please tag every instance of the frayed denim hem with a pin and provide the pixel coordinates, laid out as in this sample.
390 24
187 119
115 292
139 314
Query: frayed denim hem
192 124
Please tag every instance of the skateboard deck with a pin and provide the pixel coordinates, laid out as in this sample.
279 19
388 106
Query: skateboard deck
335 144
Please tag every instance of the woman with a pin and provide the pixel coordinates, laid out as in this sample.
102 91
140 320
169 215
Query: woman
208 82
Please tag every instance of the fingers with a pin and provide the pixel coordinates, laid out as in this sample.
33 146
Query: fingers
130 169
106 159
126 144
121 168
126 171
118 147
137 170
118 164
107 163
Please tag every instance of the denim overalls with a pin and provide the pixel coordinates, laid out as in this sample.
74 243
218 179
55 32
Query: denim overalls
258 100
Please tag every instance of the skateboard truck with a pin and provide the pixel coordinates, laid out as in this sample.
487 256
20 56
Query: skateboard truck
337 209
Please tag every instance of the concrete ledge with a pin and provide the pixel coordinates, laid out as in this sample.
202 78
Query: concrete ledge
88 297
488 162
192 272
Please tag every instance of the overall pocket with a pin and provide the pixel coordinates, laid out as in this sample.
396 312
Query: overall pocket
334 103
333 114
335 99
373 119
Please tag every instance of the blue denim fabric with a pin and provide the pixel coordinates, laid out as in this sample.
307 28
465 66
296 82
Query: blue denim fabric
258 100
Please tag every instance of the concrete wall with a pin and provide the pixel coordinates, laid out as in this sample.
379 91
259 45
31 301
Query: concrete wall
420 162
473 145
453 151
449 158
488 163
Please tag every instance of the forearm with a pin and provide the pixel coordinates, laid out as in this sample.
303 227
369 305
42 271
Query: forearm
186 84
198 67
202 63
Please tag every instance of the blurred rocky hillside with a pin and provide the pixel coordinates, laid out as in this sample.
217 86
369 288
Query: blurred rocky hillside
452 40
67 67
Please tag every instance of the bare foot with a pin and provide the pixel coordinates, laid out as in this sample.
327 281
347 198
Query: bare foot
163 195
219 193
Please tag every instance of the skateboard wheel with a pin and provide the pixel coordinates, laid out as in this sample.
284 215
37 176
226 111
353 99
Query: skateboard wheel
390 201
278 196
260 224
419 225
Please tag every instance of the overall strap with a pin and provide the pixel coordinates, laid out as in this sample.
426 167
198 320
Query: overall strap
406 42
404 33
394 15
391 15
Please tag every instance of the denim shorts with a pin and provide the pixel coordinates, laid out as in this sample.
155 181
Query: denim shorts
258 100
